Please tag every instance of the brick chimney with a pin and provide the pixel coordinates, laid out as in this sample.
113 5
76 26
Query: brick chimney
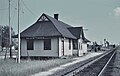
56 16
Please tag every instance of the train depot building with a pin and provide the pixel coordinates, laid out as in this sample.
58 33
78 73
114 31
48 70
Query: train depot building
50 37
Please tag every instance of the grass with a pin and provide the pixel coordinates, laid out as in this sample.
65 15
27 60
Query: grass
10 68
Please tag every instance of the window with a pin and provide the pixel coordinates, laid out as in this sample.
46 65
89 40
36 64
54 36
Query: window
43 18
47 44
30 44
75 44
69 44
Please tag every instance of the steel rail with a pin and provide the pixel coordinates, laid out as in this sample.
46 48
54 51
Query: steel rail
86 64
101 72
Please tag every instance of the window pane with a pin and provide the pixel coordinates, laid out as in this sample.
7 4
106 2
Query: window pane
30 44
47 44
69 44
75 44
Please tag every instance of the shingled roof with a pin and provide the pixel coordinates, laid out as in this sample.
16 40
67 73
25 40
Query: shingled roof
48 27
78 33
86 40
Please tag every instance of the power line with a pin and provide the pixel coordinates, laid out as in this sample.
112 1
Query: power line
14 10
22 13
3 9
27 8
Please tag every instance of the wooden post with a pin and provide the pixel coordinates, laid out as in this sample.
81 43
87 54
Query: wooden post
18 34
10 32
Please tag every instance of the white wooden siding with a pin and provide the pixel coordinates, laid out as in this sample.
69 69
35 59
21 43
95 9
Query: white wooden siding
60 47
66 47
67 51
56 48
39 48
84 47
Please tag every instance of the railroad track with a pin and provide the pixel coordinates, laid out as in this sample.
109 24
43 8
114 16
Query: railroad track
93 68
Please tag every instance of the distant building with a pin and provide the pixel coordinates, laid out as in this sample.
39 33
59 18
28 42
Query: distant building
49 37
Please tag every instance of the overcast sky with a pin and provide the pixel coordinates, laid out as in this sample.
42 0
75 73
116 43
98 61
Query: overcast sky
100 17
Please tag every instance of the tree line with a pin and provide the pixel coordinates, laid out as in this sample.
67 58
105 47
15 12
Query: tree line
5 37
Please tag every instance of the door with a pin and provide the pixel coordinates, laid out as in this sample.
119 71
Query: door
62 48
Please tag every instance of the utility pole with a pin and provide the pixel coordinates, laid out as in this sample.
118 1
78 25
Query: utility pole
10 32
1 36
18 33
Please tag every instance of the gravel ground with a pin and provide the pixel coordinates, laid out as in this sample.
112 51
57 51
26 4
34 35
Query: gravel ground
72 67
113 69
94 68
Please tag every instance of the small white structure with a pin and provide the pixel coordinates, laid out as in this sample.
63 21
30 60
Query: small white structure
49 37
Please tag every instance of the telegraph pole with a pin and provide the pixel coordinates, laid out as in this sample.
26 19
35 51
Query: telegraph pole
18 33
10 32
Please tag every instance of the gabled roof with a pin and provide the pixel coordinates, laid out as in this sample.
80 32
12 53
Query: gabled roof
40 29
86 40
50 27
76 31
47 26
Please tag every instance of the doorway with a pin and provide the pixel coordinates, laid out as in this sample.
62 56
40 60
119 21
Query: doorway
62 53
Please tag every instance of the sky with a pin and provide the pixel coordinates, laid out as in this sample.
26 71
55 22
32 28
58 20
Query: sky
100 17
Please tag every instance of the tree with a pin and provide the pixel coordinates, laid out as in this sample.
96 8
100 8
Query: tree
5 39
5 36
1 36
